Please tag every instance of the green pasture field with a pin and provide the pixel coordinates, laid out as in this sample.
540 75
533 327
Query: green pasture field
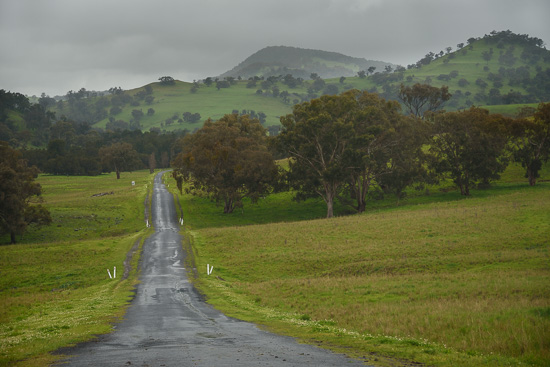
208 101
441 280
509 109
54 286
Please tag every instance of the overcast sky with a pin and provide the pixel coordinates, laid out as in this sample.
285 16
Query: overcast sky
54 46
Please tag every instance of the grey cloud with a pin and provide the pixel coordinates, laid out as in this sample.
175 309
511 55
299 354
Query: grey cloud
60 45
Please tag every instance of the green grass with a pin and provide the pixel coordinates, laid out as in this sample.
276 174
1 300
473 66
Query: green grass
510 109
208 101
54 288
442 280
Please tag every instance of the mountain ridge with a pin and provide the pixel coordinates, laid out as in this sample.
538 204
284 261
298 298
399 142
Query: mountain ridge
301 62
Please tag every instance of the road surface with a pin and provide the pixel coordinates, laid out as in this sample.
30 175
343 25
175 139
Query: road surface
169 324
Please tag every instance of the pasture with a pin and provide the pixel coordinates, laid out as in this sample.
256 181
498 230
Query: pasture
54 285
442 280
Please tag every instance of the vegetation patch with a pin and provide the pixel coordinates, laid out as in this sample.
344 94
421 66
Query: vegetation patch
448 282
55 289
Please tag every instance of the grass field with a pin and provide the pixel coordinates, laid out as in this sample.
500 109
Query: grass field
442 280
54 286
208 101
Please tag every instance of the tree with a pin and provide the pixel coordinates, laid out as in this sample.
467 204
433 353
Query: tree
371 69
152 162
531 142
469 147
137 115
167 80
421 98
378 140
120 157
17 190
487 55
226 160
315 136
406 164
361 74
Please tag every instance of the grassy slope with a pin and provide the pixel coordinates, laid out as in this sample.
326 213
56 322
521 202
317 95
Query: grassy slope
54 288
213 103
208 101
471 66
451 281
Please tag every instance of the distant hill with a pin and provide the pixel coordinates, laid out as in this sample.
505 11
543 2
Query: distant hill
301 63
500 69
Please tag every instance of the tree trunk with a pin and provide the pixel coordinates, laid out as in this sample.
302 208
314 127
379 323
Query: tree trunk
361 185
228 207
117 174
467 189
330 207
531 176
12 237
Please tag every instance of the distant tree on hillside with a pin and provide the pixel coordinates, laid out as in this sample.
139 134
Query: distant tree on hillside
137 115
167 80
361 74
487 55
421 98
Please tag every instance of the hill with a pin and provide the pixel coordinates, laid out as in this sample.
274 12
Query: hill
500 69
301 63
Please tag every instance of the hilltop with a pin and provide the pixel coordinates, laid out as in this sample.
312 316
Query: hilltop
502 71
301 63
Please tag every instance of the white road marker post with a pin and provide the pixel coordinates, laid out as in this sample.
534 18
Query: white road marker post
109 272
209 269
114 272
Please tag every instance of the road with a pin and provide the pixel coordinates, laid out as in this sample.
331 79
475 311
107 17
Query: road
169 324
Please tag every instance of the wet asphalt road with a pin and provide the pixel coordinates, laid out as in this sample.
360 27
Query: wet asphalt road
169 324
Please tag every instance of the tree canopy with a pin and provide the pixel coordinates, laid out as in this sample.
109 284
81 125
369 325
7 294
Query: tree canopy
469 147
120 157
420 98
341 143
226 160
530 140
17 190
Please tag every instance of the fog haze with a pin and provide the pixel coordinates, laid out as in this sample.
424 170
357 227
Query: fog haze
61 45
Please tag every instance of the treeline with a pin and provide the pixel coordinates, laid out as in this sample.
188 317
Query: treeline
70 147
357 145
92 107
69 153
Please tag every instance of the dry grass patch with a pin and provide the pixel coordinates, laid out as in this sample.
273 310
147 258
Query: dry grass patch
471 276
